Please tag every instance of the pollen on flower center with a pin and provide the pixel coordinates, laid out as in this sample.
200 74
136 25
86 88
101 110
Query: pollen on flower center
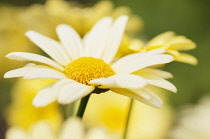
85 69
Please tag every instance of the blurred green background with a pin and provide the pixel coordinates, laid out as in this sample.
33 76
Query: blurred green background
190 18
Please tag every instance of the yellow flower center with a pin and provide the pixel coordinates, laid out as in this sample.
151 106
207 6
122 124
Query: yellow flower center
85 69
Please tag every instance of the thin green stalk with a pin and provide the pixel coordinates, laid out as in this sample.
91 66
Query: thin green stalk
128 119
67 110
63 111
82 106
70 109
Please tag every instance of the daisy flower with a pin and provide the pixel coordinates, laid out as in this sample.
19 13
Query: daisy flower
21 108
193 121
173 45
85 65
72 128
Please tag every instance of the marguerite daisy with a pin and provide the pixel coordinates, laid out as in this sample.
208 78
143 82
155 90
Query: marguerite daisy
72 128
82 66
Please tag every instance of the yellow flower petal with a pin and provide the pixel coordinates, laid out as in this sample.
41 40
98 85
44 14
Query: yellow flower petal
186 58
160 39
180 43
23 114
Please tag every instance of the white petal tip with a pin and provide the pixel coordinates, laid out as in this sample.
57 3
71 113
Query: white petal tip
171 58
107 19
63 101
12 55
62 26
123 17
9 75
37 103
168 58
8 55
175 90
29 33
6 75
158 105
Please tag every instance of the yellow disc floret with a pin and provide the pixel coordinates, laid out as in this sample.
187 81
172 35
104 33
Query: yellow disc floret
85 69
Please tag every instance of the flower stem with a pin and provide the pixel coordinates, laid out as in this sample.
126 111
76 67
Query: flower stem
67 110
63 111
70 109
82 106
128 119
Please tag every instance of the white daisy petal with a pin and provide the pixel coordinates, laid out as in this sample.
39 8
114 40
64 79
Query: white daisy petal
60 84
137 61
15 132
35 72
140 95
103 82
72 129
73 91
99 133
120 81
41 130
70 40
163 84
95 40
53 48
24 56
155 101
151 73
44 97
115 37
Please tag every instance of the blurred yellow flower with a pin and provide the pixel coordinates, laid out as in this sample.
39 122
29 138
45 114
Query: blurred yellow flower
11 37
21 112
82 18
44 18
172 44
73 128
150 123
110 110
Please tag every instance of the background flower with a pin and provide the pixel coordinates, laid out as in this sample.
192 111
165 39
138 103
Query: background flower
172 44
193 121
111 110
71 128
11 36
23 114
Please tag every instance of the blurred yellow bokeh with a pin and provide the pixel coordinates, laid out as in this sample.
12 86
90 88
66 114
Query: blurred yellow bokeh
111 110
22 113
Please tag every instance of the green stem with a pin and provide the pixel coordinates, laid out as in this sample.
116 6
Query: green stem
67 110
63 111
128 119
82 106
70 109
